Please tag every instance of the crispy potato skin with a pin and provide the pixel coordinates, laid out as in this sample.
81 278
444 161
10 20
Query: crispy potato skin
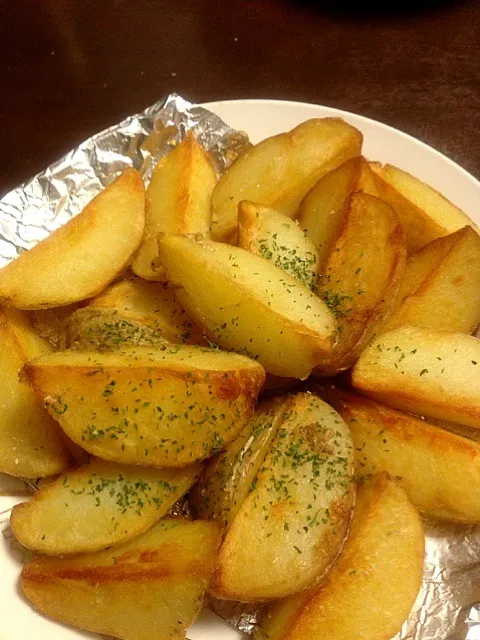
372 586
439 470
101 504
67 267
363 273
293 523
280 170
150 587
431 373
154 408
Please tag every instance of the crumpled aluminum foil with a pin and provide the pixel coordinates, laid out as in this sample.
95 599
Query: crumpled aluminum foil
448 606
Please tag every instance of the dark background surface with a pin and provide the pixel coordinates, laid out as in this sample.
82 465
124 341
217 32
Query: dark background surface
70 68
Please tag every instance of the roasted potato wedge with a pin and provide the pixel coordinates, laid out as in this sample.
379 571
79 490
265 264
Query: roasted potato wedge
152 304
51 324
178 202
372 586
31 444
424 213
249 305
151 407
293 523
151 587
439 470
97 506
92 329
280 170
432 373
361 277
68 266
275 237
321 211
448 299
228 478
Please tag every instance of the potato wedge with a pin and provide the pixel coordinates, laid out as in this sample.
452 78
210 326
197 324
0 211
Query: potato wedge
68 266
151 587
448 299
155 408
31 444
280 170
292 525
439 470
152 304
275 237
249 305
321 211
228 478
424 213
97 506
432 373
51 324
372 586
178 202
361 277
91 329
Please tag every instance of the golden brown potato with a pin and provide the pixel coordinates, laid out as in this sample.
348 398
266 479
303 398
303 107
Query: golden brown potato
68 265
439 470
151 587
178 202
424 213
432 373
275 237
249 305
97 506
92 329
280 170
145 406
322 210
31 444
228 478
361 277
372 586
448 298
293 523
152 304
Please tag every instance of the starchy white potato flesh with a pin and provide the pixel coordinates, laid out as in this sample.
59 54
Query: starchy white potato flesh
151 587
280 170
151 407
228 478
178 202
439 470
293 523
371 588
81 258
97 506
249 305
275 237
31 444
431 373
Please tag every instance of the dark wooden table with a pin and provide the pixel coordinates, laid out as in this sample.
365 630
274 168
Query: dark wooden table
68 68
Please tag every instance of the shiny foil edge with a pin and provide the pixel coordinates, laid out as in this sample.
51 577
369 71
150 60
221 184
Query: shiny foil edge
448 605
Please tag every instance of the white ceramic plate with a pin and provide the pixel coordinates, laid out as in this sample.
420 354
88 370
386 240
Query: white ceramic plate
259 118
